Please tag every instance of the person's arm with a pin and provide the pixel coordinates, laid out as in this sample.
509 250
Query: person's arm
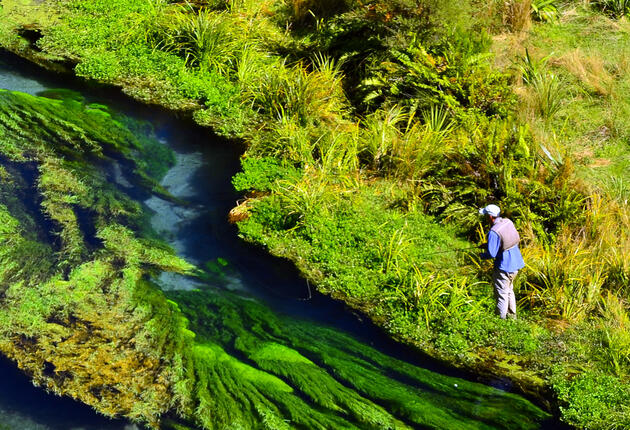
493 247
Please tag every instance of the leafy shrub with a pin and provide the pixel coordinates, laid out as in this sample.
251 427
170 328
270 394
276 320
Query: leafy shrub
262 174
592 399
545 10
454 73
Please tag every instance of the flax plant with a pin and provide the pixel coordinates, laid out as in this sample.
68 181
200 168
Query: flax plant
205 38
380 133
546 87
424 144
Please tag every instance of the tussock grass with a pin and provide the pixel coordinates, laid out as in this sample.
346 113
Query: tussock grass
589 70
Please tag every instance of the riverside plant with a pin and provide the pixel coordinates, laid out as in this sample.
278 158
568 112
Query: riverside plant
203 37
295 93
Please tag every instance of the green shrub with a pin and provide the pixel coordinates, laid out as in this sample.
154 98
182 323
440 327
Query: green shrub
592 399
262 174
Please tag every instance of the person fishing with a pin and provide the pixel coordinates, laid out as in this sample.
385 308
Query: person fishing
502 245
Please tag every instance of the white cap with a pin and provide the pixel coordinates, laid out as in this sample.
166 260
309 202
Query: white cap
492 210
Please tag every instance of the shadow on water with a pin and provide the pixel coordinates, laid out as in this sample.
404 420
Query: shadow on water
200 232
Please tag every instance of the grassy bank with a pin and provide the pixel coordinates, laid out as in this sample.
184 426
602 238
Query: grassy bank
376 129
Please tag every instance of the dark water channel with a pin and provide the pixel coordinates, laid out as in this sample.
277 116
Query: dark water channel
199 232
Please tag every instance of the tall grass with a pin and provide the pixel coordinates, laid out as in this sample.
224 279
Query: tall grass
206 39
565 282
517 14
616 332
433 297
309 97
395 142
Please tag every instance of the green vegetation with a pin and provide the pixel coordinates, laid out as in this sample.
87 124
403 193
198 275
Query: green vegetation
255 369
81 316
375 129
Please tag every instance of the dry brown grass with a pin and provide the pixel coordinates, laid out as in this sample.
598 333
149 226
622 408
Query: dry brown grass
527 108
517 14
506 46
590 69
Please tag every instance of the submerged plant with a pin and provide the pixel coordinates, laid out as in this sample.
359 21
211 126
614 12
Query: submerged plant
80 291
303 374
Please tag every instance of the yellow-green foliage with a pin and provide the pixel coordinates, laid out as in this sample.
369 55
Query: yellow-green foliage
79 317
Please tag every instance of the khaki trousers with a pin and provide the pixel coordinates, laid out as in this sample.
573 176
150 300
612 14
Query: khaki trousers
503 283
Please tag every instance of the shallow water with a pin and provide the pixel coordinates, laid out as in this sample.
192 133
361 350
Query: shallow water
343 349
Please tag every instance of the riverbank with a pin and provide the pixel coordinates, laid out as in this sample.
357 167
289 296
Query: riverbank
359 192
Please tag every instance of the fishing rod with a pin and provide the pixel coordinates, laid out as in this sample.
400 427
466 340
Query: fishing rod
451 250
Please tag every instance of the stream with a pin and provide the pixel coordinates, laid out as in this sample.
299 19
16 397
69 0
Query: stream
344 353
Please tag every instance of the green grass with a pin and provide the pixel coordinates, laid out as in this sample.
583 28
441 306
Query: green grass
590 52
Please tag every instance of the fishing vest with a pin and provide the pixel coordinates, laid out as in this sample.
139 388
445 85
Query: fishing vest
505 229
